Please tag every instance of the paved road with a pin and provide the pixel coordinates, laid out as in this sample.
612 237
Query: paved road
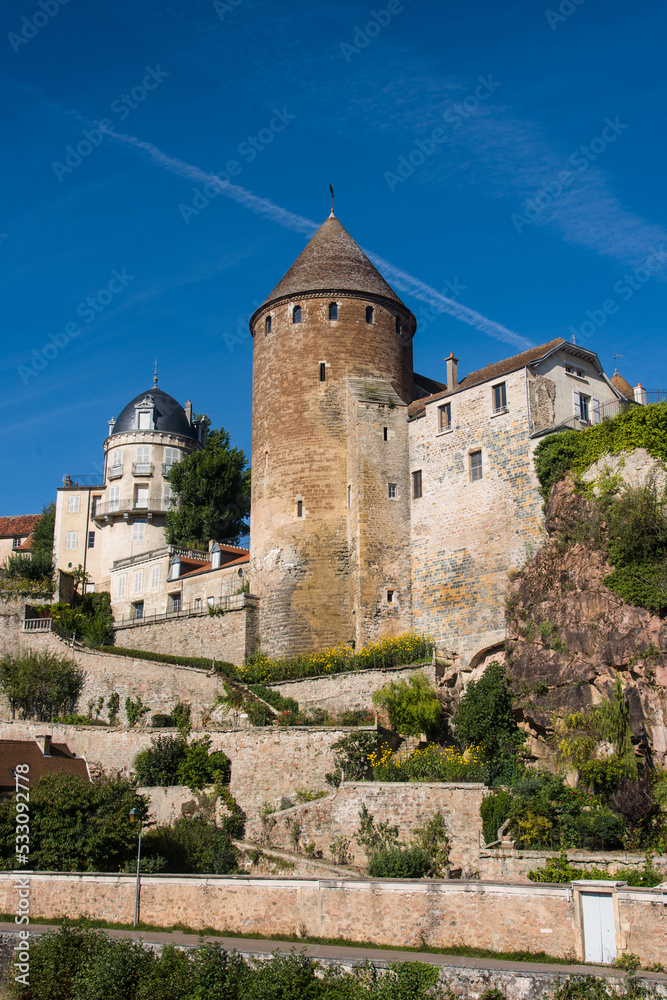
341 953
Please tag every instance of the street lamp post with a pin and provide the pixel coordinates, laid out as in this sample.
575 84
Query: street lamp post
135 817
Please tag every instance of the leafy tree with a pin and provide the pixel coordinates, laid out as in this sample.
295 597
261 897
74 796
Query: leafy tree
41 685
42 533
75 825
413 705
89 618
484 717
170 760
212 487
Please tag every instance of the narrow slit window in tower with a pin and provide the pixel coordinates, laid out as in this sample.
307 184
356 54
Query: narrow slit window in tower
323 371
299 508
385 433
296 314
333 310
267 325
399 326
349 497
370 314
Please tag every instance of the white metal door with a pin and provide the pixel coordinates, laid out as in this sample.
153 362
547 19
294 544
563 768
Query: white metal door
599 928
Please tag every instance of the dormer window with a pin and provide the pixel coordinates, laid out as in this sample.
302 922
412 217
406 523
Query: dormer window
296 314
333 310
174 569
216 556
145 414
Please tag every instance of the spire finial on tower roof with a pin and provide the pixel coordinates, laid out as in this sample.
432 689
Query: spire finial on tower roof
332 198
155 373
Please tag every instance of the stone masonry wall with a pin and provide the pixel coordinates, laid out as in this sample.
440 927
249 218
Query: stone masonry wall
408 805
467 536
229 637
267 763
437 914
509 863
159 685
339 692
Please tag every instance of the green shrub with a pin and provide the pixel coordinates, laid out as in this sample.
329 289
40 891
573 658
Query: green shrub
400 862
192 846
36 567
197 662
413 705
485 719
162 721
41 685
432 763
352 752
135 710
495 810
274 698
75 824
559 870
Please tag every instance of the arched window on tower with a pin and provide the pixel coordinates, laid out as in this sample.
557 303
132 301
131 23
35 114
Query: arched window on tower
370 314
333 310
267 325
296 314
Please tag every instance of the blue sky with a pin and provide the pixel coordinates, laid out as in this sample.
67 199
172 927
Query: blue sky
530 139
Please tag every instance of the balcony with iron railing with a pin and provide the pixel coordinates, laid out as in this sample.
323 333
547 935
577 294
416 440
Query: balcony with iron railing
136 505
115 471
142 468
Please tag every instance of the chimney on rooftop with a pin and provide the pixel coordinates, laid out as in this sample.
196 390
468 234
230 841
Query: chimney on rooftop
44 744
188 411
640 394
452 371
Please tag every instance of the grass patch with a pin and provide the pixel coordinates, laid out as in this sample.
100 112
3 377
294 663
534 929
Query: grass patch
462 951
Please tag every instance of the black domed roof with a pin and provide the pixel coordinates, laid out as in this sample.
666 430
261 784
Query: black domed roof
169 415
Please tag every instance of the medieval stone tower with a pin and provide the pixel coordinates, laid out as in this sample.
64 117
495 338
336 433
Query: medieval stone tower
332 379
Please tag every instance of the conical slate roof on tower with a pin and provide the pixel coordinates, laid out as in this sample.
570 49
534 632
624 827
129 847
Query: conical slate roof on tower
332 261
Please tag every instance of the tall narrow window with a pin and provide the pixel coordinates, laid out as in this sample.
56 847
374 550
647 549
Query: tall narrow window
141 498
417 484
171 457
114 498
142 465
267 325
333 310
138 580
445 417
370 314
91 539
323 371
299 508
144 420
138 610
155 577
167 496
139 530
584 408
392 490
385 434
296 314
72 540
499 398
399 325
475 465
349 497
121 586
74 505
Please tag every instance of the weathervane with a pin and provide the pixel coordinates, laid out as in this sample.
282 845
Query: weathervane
332 198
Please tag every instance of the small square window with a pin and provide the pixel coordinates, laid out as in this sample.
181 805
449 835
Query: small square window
91 539
299 508
72 540
16 544
74 504
499 398
296 314
445 417
475 465
197 603
391 594
392 490
417 484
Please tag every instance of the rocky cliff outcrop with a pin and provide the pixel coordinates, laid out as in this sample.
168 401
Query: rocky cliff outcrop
569 636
